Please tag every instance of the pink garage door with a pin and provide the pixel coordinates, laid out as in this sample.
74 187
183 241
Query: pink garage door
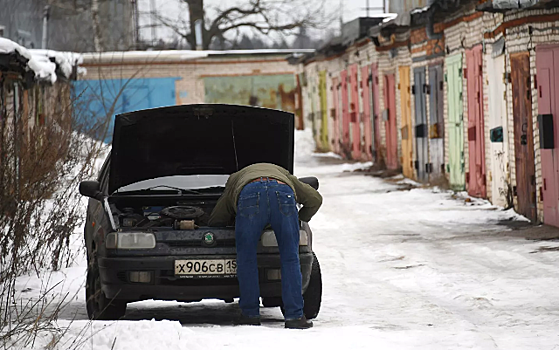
547 64
377 154
367 127
345 146
476 135
390 123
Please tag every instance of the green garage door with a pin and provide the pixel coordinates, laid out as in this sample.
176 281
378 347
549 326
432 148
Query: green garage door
455 122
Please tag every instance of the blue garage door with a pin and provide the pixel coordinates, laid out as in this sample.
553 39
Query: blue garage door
97 101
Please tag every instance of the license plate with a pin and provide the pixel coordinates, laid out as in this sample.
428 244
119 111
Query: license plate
205 268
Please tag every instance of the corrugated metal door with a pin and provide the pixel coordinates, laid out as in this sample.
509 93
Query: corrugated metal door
498 123
376 114
547 64
476 132
354 114
323 110
523 135
345 146
367 126
436 122
406 130
390 123
336 116
455 122
421 146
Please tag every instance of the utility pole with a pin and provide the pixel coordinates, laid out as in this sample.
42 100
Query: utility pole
46 13
136 24
151 11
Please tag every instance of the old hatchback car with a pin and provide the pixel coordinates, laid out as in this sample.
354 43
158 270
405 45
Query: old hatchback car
146 230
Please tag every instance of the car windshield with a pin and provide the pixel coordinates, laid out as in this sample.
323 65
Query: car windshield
185 182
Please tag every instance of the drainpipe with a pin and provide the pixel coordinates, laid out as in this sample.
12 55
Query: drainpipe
430 29
46 11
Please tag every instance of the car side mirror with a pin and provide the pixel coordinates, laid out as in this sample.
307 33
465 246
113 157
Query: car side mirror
311 181
91 189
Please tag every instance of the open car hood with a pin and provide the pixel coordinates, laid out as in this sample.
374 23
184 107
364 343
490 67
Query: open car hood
198 139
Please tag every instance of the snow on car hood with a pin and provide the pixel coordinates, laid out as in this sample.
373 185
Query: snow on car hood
198 139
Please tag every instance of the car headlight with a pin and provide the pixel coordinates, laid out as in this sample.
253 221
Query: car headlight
268 238
130 240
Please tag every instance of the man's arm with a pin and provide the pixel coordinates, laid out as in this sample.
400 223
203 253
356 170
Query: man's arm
223 212
308 197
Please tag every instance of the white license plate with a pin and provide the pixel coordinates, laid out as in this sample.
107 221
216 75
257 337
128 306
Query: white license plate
204 267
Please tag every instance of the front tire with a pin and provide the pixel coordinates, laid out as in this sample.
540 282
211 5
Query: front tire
313 294
98 306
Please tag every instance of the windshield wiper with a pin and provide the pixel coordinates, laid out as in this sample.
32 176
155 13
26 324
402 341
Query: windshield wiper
180 190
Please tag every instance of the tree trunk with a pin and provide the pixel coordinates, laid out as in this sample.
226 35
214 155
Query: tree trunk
97 34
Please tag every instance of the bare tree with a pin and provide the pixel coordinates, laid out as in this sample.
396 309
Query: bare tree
262 16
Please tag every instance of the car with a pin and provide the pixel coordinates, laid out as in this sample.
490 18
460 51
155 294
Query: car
146 230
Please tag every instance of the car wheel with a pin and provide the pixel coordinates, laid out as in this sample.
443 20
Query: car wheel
313 294
98 306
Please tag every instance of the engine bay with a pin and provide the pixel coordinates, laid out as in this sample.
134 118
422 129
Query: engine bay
172 213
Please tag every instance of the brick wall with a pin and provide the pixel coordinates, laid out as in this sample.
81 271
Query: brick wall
530 33
190 88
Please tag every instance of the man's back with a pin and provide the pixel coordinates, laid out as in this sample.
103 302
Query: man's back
226 207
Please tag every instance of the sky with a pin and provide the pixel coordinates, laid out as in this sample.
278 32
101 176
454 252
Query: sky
175 9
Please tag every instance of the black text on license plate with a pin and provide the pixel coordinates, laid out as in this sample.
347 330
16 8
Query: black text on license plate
205 267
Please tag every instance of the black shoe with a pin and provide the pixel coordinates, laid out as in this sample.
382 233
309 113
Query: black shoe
298 323
247 321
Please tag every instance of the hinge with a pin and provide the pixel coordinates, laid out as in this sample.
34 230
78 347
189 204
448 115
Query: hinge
429 168
535 81
541 194
416 165
465 72
441 87
426 89
413 89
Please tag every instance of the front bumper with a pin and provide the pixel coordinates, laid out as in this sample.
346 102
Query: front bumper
165 286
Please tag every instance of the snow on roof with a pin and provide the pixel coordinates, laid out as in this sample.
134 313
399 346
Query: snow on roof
173 55
43 67
65 60
40 61
7 46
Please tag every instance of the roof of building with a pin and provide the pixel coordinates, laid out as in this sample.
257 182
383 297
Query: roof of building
45 65
180 55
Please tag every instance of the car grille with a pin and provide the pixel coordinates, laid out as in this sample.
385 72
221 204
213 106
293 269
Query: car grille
219 243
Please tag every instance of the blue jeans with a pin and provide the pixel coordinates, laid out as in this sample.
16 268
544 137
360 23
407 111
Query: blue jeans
262 203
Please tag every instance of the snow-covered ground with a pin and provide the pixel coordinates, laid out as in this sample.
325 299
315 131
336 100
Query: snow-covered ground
402 269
